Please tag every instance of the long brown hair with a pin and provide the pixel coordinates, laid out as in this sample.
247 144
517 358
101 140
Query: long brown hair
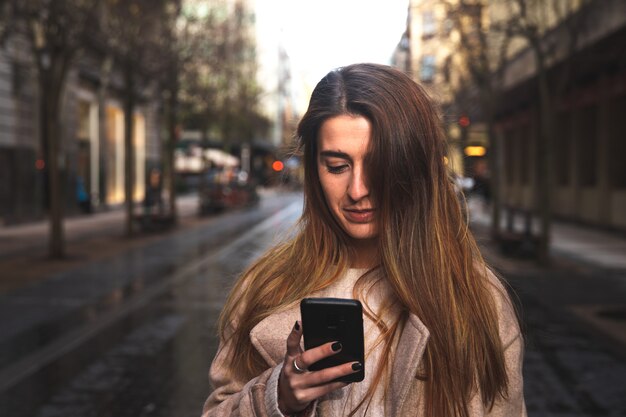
427 255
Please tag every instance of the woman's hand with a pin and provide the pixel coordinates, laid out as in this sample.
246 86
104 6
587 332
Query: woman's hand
298 388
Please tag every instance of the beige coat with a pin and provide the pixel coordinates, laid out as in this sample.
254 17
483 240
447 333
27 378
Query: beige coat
233 397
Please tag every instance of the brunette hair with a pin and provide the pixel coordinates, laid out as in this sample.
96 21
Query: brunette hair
427 254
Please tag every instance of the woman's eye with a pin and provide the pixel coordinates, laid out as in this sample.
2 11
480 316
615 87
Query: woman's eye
336 169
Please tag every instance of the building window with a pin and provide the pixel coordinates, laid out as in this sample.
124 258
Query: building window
429 26
19 80
427 68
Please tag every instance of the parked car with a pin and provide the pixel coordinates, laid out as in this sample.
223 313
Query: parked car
225 189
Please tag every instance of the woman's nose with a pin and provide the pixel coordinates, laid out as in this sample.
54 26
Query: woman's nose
357 189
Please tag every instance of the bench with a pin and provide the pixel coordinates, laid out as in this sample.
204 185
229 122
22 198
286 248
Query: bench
517 243
154 222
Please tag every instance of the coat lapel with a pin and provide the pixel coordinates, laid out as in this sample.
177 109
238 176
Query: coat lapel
269 337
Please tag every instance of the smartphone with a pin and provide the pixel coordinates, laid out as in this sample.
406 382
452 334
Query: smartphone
334 319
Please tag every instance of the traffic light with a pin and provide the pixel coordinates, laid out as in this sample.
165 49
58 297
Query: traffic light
278 166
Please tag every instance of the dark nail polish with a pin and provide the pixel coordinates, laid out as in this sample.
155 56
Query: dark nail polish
356 366
336 347
297 326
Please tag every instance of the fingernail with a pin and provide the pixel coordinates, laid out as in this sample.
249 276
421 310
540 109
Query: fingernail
336 347
297 326
356 366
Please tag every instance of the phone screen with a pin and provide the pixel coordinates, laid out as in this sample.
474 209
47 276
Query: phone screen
334 319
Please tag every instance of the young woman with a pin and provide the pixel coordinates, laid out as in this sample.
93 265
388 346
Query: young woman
382 224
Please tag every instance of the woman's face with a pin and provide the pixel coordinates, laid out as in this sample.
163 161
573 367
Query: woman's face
342 146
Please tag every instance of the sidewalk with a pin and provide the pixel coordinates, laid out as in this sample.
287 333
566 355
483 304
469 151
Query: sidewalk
594 248
24 248
586 280
585 246
88 238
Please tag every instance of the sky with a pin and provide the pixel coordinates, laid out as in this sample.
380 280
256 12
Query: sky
320 35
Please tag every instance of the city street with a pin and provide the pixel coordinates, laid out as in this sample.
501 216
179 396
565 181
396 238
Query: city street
574 324
133 333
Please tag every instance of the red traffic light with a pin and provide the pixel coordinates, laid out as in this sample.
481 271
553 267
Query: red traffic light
278 166
464 121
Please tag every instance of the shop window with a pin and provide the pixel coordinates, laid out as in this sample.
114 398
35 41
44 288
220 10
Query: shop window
617 143
562 149
587 146
509 156
82 132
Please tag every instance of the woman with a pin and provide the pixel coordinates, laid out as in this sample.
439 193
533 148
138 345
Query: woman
381 223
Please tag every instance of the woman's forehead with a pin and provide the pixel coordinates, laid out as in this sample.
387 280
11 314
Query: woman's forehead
345 133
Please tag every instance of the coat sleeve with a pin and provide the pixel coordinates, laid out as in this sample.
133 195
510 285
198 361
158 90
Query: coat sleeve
513 405
513 343
232 396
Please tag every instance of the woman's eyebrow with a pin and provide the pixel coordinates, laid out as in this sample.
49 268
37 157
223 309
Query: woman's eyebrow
335 154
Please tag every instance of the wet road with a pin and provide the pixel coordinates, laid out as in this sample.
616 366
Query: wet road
132 335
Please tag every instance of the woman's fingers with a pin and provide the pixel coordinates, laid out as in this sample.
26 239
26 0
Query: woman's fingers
308 395
311 356
298 386
293 340
328 375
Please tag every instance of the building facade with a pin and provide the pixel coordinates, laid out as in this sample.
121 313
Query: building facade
430 52
582 44
92 138
586 72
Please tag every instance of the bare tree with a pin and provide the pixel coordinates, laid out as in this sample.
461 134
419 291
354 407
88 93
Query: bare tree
55 31
7 8
484 58
534 21
176 53
132 30
219 85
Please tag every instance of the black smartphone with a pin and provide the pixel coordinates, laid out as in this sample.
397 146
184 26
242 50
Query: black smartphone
334 319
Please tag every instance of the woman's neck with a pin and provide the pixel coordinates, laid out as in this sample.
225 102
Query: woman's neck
366 254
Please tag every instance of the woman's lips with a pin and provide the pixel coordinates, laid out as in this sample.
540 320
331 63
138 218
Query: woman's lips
359 216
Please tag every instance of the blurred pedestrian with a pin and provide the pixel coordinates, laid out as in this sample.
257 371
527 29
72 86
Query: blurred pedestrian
153 198
82 196
381 223
481 181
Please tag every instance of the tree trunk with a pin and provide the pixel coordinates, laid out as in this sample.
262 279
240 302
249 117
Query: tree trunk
544 157
105 73
49 97
171 141
129 177
49 123
495 168
488 101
